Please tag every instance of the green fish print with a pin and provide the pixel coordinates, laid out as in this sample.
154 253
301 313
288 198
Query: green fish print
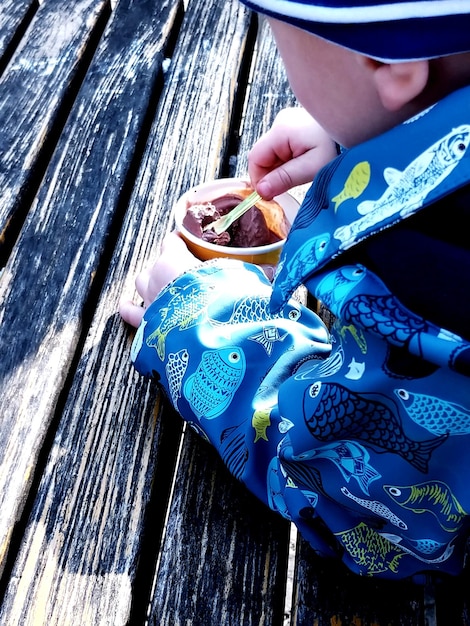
355 184
433 497
332 411
185 310
211 388
261 421
356 333
373 553
407 190
434 414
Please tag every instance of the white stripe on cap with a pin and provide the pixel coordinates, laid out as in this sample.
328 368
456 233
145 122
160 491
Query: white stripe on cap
364 14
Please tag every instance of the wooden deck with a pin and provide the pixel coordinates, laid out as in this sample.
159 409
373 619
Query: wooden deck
110 512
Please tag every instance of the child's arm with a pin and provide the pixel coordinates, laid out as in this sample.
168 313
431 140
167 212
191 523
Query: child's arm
174 259
211 342
289 154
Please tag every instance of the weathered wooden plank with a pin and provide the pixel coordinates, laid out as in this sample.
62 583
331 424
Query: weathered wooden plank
83 544
13 14
45 287
452 600
224 558
146 221
34 90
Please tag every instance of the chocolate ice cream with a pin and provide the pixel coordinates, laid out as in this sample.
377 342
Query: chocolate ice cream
263 224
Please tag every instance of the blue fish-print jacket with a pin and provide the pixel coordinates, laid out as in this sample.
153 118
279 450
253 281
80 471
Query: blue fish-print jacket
358 435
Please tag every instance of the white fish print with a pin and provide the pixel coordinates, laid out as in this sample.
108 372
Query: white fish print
256 309
185 310
376 507
423 546
175 369
268 337
138 341
356 369
318 368
396 540
407 190
285 425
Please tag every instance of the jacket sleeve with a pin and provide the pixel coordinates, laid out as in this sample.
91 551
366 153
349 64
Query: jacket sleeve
212 343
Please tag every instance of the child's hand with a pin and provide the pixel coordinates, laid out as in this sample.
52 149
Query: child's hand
173 261
289 154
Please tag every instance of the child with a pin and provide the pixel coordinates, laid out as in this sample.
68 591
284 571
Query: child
360 435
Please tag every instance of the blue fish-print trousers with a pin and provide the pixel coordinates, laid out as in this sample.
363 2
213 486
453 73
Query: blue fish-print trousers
356 434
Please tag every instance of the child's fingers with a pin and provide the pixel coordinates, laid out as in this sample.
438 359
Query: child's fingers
142 286
174 260
131 313
297 171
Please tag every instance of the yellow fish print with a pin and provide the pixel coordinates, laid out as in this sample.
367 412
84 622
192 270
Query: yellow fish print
260 422
357 335
355 183
374 554
433 497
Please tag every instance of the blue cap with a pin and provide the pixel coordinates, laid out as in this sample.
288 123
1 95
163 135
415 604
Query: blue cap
386 30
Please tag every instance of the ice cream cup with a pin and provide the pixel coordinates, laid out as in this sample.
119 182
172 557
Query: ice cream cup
203 250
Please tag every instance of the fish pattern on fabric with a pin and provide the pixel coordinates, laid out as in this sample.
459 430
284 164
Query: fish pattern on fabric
370 551
355 184
407 190
349 457
358 417
175 368
211 388
378 508
358 434
434 414
184 310
434 497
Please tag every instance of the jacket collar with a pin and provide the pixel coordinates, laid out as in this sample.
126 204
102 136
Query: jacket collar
374 186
